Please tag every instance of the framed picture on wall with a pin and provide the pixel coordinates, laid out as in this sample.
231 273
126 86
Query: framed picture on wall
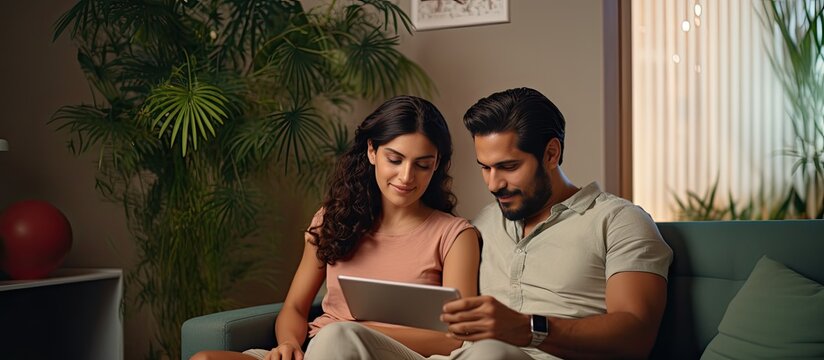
439 14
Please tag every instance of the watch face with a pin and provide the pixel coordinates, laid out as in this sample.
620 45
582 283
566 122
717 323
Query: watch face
539 324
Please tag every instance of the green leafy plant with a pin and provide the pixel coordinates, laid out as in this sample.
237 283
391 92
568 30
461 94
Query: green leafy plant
695 207
799 64
195 100
707 206
798 60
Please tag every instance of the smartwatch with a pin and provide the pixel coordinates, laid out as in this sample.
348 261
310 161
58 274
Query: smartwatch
540 329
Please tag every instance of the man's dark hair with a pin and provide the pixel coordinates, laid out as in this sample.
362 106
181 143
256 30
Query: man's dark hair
527 112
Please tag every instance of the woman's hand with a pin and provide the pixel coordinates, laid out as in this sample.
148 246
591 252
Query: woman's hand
287 351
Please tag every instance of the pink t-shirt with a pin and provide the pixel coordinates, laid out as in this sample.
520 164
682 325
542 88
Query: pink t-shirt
414 257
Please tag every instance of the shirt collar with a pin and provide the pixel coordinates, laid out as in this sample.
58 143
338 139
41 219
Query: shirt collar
578 202
583 198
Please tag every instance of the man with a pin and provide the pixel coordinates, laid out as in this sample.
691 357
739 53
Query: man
566 272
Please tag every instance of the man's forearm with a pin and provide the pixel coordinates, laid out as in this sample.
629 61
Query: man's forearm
615 335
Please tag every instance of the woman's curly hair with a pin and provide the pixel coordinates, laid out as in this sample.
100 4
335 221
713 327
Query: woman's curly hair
352 204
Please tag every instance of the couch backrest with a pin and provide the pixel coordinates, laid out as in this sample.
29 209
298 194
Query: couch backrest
711 262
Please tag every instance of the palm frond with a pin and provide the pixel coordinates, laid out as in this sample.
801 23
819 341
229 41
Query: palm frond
99 75
249 23
84 14
371 64
247 140
150 21
298 132
233 205
393 12
85 122
190 106
300 67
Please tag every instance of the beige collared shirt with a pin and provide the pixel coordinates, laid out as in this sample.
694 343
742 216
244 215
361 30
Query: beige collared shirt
562 267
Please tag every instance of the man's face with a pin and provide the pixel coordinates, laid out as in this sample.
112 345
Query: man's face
518 181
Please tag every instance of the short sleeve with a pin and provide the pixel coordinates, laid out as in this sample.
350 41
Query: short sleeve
317 219
455 227
634 244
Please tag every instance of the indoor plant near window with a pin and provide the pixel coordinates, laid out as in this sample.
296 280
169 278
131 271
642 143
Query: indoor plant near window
799 64
798 61
195 99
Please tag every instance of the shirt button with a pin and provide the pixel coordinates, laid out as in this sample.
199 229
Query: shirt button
519 250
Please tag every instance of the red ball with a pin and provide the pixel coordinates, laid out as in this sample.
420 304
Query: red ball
35 238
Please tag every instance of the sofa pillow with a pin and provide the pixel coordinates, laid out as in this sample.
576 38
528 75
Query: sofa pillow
777 314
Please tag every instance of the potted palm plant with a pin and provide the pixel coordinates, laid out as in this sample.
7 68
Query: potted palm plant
194 99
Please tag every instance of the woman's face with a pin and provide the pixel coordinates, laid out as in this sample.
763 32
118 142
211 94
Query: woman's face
403 168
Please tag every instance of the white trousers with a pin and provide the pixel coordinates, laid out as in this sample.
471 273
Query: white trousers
349 340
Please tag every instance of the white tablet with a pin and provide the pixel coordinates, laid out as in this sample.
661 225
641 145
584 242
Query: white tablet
395 302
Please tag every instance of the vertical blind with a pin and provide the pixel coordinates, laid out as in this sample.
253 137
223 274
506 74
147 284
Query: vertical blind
707 106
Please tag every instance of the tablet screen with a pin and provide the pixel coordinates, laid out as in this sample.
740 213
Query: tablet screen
395 302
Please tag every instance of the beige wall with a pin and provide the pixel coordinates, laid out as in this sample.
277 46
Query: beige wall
38 77
553 46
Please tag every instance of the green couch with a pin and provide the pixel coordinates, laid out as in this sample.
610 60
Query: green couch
712 260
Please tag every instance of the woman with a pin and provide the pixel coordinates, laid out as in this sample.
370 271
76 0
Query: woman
387 215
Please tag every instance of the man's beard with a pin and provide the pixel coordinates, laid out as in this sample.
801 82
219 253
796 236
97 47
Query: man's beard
531 205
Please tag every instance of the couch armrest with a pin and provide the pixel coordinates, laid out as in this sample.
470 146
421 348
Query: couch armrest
234 330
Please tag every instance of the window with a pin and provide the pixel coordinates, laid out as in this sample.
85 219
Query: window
707 106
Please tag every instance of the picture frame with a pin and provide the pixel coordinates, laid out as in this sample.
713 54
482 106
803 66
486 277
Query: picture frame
440 14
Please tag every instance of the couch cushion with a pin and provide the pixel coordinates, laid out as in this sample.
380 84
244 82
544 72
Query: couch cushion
712 260
777 314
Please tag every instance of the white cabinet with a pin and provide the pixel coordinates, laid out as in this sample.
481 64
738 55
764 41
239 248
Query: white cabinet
73 314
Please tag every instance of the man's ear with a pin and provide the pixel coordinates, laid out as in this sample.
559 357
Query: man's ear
552 153
371 153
